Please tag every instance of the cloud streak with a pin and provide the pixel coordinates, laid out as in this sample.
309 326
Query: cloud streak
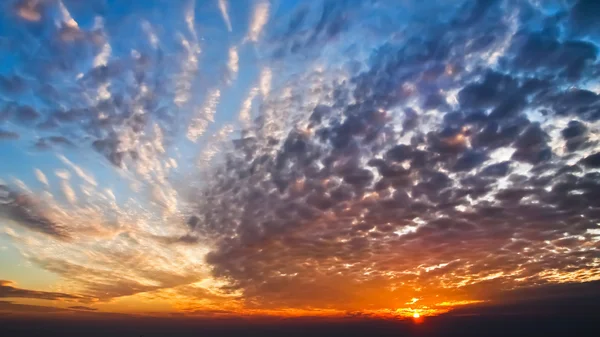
8 290
260 17
224 8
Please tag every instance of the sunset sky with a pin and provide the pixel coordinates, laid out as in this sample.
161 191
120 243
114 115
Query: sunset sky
286 158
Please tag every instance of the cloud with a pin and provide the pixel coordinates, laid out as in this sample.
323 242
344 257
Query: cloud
12 311
260 17
86 106
205 116
232 64
94 223
119 281
224 8
184 239
84 308
372 191
26 115
9 135
29 10
449 162
7 290
10 308
24 210
550 300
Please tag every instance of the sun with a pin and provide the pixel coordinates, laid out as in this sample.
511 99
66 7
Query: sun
416 315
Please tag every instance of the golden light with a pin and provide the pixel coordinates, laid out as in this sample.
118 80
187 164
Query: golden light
416 317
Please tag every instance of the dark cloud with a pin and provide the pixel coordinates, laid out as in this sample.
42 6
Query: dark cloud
26 115
8 135
81 307
470 160
305 33
12 84
46 143
494 89
7 290
22 209
187 239
592 160
564 300
583 18
542 52
575 134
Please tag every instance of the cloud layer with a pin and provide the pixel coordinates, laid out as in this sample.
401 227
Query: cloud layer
463 156
431 165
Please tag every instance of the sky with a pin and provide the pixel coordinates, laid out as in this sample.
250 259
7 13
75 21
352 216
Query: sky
281 158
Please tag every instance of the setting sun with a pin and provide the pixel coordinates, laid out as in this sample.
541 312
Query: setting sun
416 315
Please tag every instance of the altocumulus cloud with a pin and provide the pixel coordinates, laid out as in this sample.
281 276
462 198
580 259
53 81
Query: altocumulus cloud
463 155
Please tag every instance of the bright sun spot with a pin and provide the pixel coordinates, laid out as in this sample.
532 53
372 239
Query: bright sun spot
416 315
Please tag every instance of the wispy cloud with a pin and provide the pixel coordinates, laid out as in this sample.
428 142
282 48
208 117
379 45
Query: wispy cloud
233 63
81 307
244 115
224 8
260 17
204 116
